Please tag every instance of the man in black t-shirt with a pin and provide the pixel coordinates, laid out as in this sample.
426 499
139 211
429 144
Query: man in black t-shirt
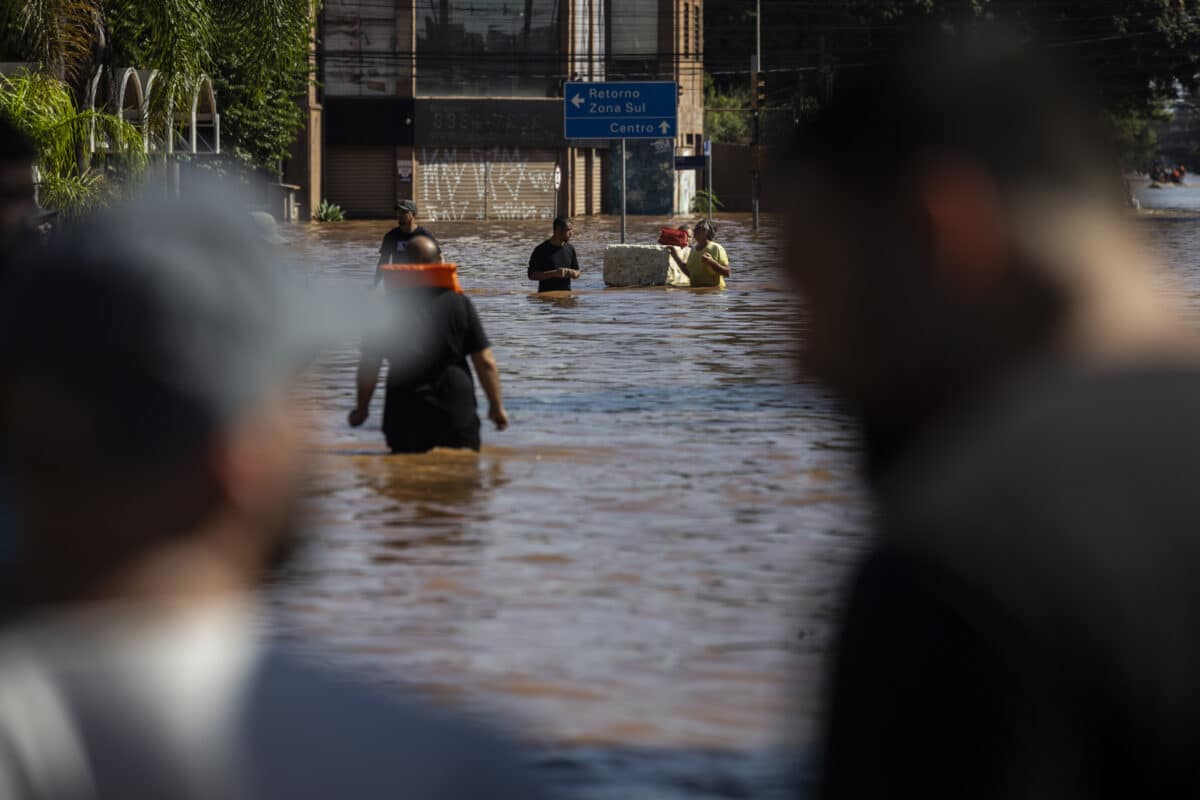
395 241
430 398
553 263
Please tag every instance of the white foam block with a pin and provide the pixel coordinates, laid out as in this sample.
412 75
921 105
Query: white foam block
641 265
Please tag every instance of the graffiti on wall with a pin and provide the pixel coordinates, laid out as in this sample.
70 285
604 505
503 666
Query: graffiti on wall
460 183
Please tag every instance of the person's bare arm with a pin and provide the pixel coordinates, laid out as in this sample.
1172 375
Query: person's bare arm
717 266
550 274
676 253
489 378
384 258
366 377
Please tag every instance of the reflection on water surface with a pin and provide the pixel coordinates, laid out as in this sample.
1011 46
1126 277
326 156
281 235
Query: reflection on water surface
643 569
640 568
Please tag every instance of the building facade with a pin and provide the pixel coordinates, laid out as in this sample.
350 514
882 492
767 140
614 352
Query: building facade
457 104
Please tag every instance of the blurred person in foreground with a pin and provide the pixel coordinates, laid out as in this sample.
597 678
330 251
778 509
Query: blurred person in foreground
22 221
1026 623
23 225
156 460
431 332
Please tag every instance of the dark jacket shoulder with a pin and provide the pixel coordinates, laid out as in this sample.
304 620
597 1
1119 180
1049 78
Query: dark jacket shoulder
312 732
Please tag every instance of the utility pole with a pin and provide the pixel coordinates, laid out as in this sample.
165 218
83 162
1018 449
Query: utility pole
759 80
624 189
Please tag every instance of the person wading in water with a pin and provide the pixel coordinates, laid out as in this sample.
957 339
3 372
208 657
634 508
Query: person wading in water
553 263
707 265
395 241
430 399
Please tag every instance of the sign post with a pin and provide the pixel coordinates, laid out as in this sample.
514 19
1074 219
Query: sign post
708 174
622 191
620 110
557 186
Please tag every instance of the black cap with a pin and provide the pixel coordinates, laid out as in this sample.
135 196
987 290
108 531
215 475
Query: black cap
407 205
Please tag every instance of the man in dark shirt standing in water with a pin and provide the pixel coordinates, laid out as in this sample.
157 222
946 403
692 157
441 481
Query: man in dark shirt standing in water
430 398
553 263
395 241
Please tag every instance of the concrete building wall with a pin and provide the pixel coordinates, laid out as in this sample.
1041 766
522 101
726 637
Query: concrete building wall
423 52
676 28
304 163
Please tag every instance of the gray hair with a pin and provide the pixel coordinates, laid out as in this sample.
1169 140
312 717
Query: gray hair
710 230
140 334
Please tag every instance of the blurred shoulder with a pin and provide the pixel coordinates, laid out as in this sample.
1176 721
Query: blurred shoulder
312 731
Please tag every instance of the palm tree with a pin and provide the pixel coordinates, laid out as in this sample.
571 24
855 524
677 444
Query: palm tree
69 38
42 106
72 40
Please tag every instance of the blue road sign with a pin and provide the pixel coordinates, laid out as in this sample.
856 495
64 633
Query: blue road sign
642 110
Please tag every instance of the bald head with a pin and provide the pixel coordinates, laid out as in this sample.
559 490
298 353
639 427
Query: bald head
422 250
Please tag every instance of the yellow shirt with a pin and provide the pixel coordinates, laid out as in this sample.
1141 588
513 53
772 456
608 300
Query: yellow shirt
701 273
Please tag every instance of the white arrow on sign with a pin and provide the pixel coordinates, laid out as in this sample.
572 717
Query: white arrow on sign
665 127
577 100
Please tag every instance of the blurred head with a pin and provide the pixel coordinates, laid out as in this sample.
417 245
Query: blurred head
268 230
562 229
20 216
145 404
421 250
934 237
704 232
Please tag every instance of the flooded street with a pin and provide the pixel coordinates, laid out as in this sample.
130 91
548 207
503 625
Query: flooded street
642 570
644 560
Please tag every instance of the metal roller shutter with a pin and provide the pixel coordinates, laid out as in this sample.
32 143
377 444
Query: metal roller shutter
451 183
521 183
596 178
361 180
580 178
461 183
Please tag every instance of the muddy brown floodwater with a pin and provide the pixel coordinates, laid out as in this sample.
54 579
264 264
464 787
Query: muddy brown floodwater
641 574
640 571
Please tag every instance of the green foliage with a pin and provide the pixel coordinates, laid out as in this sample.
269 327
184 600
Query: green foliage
57 35
75 195
725 119
174 37
328 212
1135 136
42 106
256 52
700 202
1134 50
260 77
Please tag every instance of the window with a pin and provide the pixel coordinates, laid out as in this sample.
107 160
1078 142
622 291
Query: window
697 42
634 38
687 29
358 56
505 48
